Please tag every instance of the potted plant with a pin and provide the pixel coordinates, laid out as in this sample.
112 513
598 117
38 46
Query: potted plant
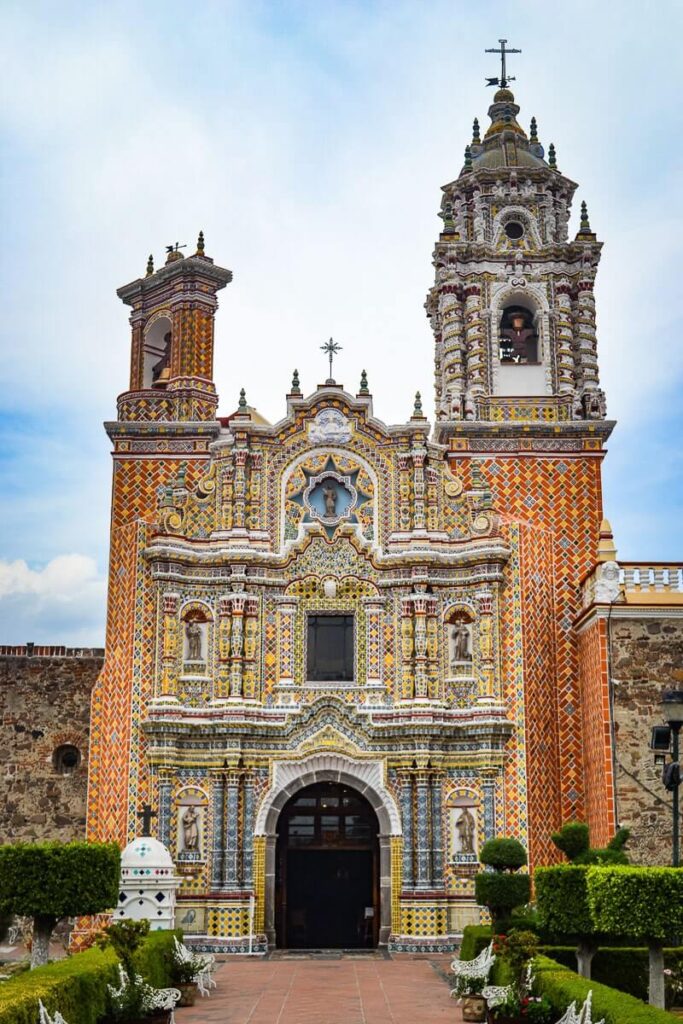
516 951
468 988
184 973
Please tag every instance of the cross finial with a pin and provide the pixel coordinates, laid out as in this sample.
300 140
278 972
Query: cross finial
504 77
146 815
331 347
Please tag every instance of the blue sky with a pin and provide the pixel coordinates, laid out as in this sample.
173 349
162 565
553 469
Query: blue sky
309 141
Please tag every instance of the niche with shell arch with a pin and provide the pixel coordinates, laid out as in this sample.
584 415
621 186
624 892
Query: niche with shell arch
464 816
195 626
192 831
156 352
459 627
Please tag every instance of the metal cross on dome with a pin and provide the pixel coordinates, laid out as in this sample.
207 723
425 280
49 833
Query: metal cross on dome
146 814
504 77
331 347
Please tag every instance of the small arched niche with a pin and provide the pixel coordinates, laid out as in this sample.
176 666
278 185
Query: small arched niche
156 369
459 626
195 622
521 371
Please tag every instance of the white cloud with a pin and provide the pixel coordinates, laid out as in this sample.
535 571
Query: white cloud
64 602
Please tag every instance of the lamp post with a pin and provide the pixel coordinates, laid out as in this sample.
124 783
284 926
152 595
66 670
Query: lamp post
672 706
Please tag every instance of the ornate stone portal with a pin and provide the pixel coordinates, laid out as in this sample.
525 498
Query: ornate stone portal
332 600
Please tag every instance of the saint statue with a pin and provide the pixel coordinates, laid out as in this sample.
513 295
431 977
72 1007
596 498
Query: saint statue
193 632
460 639
330 496
464 826
190 824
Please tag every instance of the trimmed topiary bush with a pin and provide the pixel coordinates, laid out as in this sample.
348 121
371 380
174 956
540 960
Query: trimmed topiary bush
574 841
47 881
641 903
500 890
503 854
562 901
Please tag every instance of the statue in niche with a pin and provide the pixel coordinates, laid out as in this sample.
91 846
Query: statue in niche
330 496
194 635
465 826
460 643
190 823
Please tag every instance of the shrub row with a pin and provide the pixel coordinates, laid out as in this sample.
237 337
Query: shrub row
622 967
562 986
77 985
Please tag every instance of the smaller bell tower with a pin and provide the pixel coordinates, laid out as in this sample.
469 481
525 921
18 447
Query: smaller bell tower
172 321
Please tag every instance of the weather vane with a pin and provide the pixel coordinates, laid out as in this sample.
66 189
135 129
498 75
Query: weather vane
175 248
504 77
331 347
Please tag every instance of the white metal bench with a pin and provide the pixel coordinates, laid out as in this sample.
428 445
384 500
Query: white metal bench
477 968
204 975
582 1016
45 1017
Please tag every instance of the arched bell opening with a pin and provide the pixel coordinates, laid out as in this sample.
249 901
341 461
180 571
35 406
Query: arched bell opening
520 370
518 336
327 870
156 369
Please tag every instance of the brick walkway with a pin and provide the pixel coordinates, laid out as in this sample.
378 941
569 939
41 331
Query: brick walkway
401 990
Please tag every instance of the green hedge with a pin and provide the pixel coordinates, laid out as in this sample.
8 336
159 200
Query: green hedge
475 937
77 985
562 986
643 903
562 899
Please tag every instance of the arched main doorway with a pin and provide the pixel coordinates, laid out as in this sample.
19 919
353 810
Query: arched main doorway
327 870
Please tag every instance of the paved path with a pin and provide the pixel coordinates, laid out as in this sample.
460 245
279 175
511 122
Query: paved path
400 990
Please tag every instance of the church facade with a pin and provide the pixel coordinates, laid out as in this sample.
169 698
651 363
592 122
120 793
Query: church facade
342 654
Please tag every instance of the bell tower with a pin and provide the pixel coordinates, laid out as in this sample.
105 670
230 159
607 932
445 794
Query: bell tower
519 404
165 424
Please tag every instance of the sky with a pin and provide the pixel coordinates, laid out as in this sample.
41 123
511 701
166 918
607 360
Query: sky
309 141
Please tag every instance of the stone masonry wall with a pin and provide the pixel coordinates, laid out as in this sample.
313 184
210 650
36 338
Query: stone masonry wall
44 704
645 653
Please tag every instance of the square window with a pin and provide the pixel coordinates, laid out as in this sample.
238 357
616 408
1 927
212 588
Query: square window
330 648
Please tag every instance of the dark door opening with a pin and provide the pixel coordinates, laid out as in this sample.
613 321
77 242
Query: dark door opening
327 884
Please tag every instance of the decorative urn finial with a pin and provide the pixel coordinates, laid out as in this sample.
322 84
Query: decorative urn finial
150 266
200 244
363 390
242 404
296 390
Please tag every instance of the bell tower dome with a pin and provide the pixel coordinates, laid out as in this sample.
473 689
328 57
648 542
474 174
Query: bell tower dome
512 307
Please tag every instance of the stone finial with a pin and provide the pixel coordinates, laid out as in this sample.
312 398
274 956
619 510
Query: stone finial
296 389
476 139
468 158
242 404
363 390
533 131
607 551
552 158
417 408
200 244
150 266
585 228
